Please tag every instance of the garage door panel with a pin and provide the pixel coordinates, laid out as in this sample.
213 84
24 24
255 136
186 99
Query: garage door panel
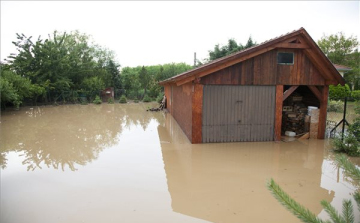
238 113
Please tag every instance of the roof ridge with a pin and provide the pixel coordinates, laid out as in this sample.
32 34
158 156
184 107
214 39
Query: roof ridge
228 56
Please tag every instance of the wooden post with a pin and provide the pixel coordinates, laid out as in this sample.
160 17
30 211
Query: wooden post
322 115
278 111
197 102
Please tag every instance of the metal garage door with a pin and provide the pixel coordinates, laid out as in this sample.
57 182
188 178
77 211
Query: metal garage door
238 113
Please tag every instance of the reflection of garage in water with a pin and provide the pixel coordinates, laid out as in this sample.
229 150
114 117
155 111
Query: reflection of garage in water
241 97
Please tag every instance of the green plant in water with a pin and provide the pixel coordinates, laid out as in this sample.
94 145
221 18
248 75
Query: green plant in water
348 144
305 215
111 101
123 99
335 106
83 101
160 98
355 129
146 98
97 100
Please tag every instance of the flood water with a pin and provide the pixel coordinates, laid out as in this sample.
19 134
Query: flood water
119 163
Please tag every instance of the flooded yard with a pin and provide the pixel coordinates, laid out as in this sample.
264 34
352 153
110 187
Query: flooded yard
119 163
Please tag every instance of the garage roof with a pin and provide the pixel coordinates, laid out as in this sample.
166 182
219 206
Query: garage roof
297 39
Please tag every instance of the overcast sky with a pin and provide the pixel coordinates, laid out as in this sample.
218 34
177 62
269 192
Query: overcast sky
149 33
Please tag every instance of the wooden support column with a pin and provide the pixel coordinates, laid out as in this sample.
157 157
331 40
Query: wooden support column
197 103
322 115
278 111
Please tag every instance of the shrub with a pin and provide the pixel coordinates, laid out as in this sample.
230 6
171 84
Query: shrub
355 129
339 92
123 99
335 106
357 107
111 101
97 100
83 101
160 97
356 95
146 99
349 144
136 101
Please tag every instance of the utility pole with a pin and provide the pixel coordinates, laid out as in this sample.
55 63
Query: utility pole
194 59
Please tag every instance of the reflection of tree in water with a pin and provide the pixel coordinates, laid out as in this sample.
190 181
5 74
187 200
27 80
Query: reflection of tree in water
329 156
136 116
3 160
66 135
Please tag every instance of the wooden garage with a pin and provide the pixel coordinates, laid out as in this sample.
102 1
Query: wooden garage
240 97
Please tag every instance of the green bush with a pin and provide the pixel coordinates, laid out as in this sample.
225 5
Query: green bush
355 129
97 100
147 99
356 95
83 101
349 144
160 97
155 90
339 92
335 106
111 101
123 99
136 101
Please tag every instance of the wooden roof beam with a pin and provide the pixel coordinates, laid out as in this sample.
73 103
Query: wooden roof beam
316 92
289 91
292 45
318 64
310 53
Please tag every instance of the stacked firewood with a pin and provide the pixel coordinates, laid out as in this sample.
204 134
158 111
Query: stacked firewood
294 112
314 122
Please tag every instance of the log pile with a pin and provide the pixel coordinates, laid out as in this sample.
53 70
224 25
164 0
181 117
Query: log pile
294 112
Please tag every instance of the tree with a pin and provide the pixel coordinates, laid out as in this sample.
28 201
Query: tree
144 80
14 88
112 69
337 47
353 76
64 62
343 50
230 48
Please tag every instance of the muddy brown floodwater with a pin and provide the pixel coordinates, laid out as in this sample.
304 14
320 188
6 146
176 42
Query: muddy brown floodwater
119 163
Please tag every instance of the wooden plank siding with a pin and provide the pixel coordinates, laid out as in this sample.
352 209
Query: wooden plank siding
167 92
181 107
264 70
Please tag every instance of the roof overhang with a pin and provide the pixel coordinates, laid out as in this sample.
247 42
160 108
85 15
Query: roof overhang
298 39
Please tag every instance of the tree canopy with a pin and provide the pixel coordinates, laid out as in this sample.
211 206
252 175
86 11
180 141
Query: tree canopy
231 47
343 50
143 80
63 62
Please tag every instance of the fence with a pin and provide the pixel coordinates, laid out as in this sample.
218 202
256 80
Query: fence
51 97
340 113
